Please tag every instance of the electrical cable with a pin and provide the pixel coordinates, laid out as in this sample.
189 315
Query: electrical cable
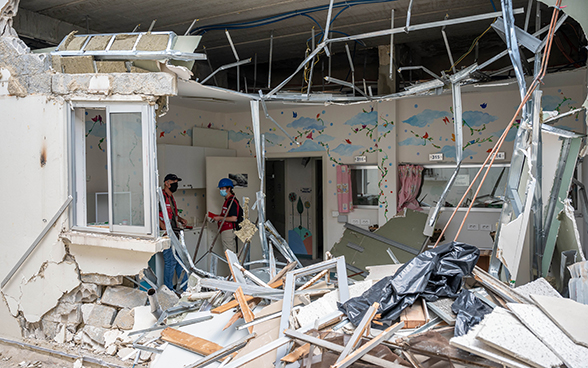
270 20
476 40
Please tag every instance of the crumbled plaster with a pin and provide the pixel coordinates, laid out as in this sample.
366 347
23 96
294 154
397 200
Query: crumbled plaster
156 84
42 292
9 326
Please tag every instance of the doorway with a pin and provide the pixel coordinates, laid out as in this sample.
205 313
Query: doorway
294 203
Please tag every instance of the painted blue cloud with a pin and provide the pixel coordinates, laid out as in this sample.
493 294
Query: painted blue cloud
449 152
237 136
346 149
323 138
550 103
306 123
308 146
512 133
426 117
478 118
272 139
169 126
411 141
363 118
385 127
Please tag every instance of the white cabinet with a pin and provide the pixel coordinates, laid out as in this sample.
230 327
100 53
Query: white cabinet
187 162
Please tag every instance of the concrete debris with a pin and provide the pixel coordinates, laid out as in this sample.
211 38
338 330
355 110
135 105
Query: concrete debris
94 278
123 297
166 297
98 315
125 318
94 335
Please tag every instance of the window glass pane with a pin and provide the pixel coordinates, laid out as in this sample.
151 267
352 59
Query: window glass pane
364 186
96 168
491 194
127 169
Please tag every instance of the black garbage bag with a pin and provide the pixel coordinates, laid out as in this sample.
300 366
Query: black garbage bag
470 311
432 274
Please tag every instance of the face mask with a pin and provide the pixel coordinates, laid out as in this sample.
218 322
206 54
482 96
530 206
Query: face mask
223 192
173 187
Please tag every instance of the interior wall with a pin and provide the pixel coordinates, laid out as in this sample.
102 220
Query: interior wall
175 127
387 133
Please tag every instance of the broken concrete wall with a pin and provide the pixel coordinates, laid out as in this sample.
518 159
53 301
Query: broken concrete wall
35 165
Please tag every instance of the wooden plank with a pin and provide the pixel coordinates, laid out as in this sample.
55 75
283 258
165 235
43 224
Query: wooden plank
414 316
300 352
339 349
314 280
189 342
289 267
359 331
233 303
364 349
239 314
247 313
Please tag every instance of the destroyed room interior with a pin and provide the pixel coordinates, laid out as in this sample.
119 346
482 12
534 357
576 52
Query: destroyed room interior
294 184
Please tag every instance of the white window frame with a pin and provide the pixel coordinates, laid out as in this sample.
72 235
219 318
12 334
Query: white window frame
77 166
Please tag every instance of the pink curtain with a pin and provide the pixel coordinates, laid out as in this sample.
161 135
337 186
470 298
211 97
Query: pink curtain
344 198
409 177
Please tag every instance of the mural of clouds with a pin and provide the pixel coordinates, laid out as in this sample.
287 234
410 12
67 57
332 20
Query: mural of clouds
411 141
385 127
323 138
237 136
306 123
426 117
363 118
550 103
346 149
169 126
478 118
512 133
308 146
272 139
449 152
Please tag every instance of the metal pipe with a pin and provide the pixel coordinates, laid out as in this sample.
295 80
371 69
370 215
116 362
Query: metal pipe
352 68
152 25
226 66
346 84
154 303
210 66
448 49
327 26
271 51
267 115
254 71
403 68
232 44
391 72
37 240
408 13
311 69
528 14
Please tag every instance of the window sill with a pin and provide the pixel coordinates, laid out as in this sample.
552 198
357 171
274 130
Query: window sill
129 243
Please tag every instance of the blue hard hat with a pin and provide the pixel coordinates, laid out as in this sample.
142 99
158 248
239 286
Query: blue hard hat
225 182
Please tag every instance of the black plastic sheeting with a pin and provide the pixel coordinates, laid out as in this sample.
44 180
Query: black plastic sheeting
435 273
470 311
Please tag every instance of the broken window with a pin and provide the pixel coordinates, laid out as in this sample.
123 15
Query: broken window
435 179
113 168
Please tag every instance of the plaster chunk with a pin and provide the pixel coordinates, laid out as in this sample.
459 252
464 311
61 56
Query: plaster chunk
125 352
96 334
41 293
111 350
124 297
60 335
94 278
125 319
65 313
110 337
85 293
50 329
166 297
98 315
155 84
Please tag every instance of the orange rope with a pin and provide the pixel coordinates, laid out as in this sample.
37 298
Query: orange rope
498 145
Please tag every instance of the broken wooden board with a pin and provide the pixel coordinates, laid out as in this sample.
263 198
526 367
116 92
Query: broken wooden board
573 355
298 353
506 333
469 343
416 315
569 315
190 342
245 310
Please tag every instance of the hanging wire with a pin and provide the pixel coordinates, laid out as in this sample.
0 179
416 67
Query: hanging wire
476 40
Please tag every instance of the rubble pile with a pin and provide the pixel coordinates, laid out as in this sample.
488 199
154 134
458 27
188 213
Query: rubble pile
437 309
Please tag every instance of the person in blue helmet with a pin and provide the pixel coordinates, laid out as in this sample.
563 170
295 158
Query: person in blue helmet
232 208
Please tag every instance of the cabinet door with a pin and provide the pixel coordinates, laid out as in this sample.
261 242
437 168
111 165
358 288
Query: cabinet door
187 162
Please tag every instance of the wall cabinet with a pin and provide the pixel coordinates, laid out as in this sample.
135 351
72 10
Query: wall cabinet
187 162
